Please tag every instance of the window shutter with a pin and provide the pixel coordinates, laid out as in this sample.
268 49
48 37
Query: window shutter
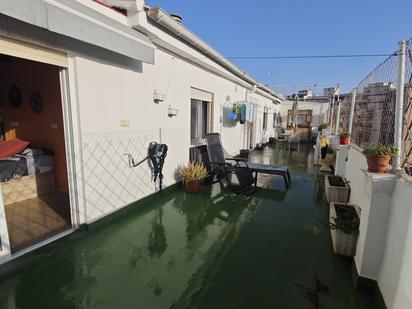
29 51
201 95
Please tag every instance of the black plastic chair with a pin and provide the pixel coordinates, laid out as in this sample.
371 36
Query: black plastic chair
221 164
224 168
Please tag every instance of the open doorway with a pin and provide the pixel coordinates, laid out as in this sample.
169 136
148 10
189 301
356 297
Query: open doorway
33 168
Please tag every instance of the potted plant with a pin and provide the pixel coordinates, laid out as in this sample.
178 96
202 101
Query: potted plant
344 138
344 225
337 189
193 174
408 169
378 157
322 126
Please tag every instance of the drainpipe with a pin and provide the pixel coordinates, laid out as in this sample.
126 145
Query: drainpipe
352 110
331 112
400 87
162 18
338 113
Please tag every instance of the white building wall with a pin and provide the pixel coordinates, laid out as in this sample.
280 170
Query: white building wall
110 96
319 111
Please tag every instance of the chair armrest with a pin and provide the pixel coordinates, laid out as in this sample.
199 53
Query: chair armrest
236 159
239 162
219 163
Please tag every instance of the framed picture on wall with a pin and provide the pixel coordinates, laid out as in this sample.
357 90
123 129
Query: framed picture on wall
15 97
36 102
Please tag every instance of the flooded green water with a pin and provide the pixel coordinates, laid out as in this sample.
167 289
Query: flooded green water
206 250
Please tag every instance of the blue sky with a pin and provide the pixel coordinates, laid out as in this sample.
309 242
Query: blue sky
299 27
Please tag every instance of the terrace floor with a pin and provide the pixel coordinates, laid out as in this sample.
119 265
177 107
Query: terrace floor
206 250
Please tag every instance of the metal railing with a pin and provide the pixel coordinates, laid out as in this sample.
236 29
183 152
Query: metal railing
373 106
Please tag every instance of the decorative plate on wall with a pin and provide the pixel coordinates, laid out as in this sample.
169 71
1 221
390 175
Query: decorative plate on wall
15 97
36 102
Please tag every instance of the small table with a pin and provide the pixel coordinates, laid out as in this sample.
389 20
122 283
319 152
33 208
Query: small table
286 136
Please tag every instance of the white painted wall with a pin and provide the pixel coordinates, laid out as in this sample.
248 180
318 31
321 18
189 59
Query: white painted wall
373 194
395 277
384 250
319 111
109 94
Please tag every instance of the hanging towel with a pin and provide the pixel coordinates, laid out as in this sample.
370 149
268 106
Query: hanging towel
243 113
324 151
324 145
238 110
251 112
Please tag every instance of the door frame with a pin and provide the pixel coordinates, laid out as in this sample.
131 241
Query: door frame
69 142
70 121
4 235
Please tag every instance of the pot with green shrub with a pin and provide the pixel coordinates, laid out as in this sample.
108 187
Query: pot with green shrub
378 157
193 175
344 138
344 227
322 127
408 170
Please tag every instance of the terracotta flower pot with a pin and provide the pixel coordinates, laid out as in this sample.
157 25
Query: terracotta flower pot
192 186
378 164
344 140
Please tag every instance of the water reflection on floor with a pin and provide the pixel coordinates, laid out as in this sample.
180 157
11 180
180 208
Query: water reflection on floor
206 250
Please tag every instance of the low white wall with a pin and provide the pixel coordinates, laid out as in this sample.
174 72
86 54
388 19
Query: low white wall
395 278
373 194
361 196
384 250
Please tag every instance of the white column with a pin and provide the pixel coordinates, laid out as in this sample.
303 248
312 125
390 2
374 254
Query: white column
352 110
400 88
331 112
338 113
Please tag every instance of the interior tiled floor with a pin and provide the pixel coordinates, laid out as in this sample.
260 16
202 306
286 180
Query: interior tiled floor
36 219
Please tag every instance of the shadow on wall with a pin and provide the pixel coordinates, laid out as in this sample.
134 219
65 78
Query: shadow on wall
226 122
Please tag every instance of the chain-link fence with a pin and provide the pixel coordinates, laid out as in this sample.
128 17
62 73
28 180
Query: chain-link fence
374 114
406 156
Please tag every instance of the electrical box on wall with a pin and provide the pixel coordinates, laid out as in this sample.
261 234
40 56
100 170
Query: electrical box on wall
124 123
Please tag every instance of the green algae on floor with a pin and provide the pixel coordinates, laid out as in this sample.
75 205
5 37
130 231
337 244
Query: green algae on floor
206 250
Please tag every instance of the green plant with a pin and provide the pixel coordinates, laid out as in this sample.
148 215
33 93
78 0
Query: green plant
408 170
347 219
193 171
336 181
323 126
344 134
379 150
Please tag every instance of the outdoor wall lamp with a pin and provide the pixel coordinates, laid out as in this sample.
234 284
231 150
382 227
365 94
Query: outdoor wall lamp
172 112
158 97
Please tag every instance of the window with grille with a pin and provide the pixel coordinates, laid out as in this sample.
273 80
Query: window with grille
201 109
200 122
265 119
